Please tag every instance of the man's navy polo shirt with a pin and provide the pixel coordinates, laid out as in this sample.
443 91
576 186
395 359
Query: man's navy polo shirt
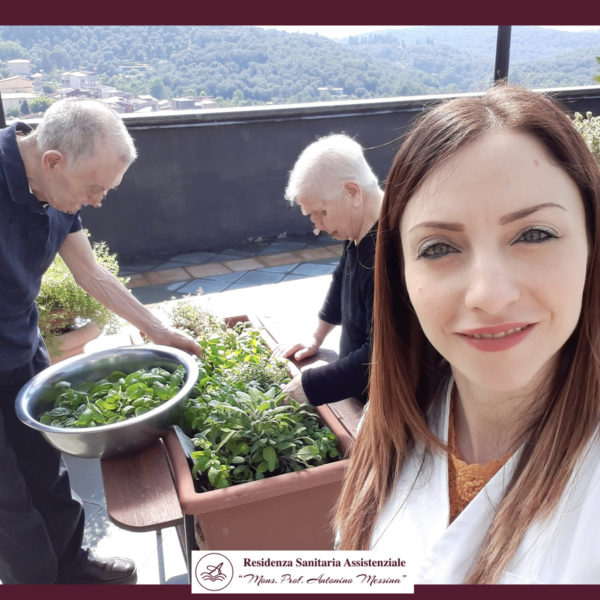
30 237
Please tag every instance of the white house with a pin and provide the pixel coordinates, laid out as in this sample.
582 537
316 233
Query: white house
106 91
79 80
15 99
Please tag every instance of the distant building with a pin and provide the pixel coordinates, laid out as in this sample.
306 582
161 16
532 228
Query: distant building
79 93
16 85
145 102
119 104
334 91
206 103
13 100
37 79
183 103
144 110
18 66
79 80
107 91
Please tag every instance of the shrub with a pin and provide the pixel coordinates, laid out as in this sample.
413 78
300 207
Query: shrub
63 305
589 127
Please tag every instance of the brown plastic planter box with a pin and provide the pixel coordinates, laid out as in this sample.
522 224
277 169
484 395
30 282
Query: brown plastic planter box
292 511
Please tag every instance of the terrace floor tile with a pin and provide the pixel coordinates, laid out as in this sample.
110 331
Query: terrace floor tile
171 264
203 286
206 270
137 280
243 264
167 276
195 258
282 246
89 478
337 249
293 277
287 268
229 277
141 266
155 293
313 269
275 260
259 278
314 253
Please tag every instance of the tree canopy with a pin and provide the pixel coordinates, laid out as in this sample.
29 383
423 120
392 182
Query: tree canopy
251 65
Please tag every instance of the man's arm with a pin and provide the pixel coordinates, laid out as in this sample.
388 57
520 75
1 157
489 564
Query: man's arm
77 253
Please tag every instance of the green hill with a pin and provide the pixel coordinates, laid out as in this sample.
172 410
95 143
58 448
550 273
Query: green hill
251 65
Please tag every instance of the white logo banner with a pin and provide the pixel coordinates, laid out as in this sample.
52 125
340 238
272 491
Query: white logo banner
299 572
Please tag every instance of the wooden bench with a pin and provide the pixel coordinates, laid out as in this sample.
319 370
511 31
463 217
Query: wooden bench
140 495
139 489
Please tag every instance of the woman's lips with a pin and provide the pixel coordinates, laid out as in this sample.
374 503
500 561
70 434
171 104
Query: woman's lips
497 338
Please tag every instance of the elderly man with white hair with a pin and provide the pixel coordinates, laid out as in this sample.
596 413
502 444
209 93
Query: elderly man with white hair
333 184
77 154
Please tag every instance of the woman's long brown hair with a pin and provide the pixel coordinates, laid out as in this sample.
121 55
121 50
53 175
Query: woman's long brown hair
406 371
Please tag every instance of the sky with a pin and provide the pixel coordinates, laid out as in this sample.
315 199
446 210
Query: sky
340 31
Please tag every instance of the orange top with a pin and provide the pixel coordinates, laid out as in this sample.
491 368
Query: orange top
464 480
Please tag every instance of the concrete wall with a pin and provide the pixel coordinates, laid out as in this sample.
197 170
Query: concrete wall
208 179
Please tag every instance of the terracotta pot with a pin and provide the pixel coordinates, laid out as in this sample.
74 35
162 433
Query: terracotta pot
60 319
73 342
291 511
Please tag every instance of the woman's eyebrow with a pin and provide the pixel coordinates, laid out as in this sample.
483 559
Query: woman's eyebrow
439 225
509 218
525 212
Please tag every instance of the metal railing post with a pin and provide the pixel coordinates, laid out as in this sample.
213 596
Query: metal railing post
2 117
502 53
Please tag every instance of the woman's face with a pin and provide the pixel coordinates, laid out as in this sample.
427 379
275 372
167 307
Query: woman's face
495 252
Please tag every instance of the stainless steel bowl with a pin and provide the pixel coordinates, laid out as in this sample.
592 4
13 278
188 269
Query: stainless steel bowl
105 441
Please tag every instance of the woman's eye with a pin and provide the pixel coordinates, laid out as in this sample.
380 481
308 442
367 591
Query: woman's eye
436 250
535 235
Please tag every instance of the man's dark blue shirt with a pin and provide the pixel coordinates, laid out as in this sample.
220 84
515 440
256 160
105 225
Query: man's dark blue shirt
30 236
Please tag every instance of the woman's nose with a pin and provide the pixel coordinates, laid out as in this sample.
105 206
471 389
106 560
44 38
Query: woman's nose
492 286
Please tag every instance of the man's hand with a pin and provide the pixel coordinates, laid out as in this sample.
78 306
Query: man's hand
295 390
300 351
107 289
169 336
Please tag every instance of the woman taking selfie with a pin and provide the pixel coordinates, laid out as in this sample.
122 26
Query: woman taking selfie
478 460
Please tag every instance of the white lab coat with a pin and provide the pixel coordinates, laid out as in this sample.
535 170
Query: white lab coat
414 523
